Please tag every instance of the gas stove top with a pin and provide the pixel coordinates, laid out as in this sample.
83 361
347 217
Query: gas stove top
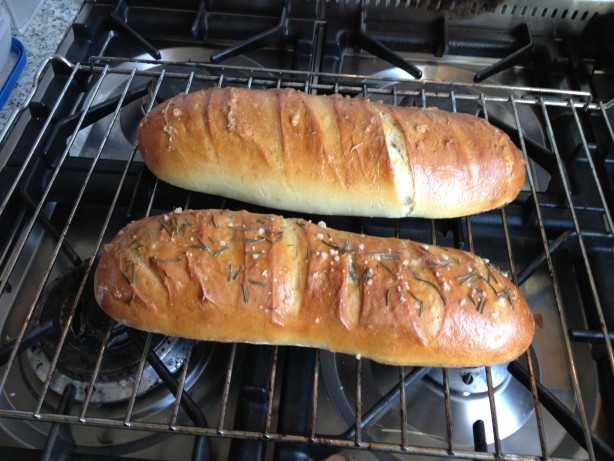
76 385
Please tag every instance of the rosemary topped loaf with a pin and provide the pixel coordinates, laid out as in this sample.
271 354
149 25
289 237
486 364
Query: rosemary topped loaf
330 154
243 277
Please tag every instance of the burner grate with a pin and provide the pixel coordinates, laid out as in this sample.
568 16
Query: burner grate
546 229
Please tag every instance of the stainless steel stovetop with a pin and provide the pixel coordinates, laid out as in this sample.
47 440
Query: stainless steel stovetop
79 377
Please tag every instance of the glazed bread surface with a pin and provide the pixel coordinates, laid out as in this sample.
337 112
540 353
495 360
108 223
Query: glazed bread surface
255 278
332 155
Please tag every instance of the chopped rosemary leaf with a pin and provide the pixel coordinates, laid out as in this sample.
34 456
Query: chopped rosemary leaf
257 282
420 303
418 277
466 277
387 297
481 304
388 269
229 277
245 293
239 270
256 241
330 244
220 251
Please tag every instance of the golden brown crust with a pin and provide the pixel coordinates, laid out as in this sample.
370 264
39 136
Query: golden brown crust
329 154
238 276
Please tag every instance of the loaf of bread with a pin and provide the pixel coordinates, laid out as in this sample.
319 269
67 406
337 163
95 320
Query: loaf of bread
330 155
243 277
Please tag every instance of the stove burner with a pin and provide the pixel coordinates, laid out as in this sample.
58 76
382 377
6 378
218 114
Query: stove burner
132 113
469 402
85 336
124 134
425 399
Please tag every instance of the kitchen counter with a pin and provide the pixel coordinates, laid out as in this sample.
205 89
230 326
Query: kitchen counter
40 39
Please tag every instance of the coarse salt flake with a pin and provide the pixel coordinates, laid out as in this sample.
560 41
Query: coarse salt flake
320 235
322 224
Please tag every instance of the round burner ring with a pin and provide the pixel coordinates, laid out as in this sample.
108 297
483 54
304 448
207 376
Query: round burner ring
425 399
77 361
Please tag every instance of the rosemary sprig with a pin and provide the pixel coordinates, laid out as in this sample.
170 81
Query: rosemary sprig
239 270
220 251
420 303
388 269
245 293
481 304
203 246
466 278
257 282
421 279
256 241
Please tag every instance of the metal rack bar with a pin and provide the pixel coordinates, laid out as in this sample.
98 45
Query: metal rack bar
403 403
552 270
314 396
357 421
38 139
181 386
112 208
226 391
591 279
271 391
302 75
137 381
73 211
514 275
20 245
90 387
360 440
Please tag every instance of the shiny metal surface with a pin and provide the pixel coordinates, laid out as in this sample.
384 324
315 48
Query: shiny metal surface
400 432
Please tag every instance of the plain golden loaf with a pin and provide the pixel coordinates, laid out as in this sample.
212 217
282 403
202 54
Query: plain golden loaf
243 277
332 155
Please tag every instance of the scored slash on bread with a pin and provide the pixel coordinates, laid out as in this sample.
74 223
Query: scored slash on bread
245 277
331 155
